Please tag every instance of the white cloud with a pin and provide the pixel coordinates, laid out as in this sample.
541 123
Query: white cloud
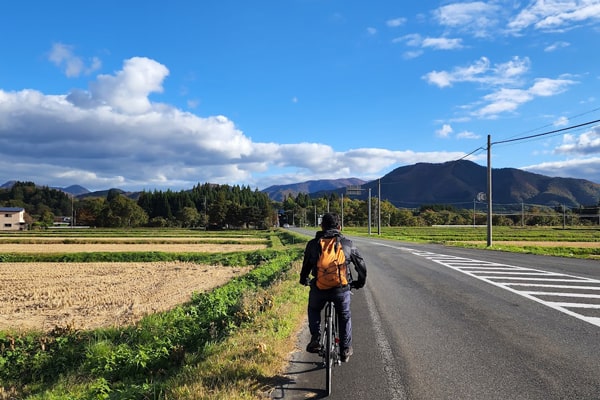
396 22
371 31
128 89
581 168
561 121
409 55
585 144
555 14
477 17
504 80
482 71
439 43
508 100
444 131
467 135
62 56
115 136
556 45
442 43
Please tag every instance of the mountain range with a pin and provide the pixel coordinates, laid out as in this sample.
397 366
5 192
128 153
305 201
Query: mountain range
453 182
458 182
280 192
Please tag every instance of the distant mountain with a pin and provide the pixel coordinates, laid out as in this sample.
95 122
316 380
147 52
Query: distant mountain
75 190
104 193
8 184
280 192
460 181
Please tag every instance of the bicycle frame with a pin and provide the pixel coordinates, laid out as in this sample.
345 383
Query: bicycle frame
330 343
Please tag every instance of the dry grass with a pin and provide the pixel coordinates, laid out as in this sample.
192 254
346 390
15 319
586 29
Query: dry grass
126 247
152 239
90 295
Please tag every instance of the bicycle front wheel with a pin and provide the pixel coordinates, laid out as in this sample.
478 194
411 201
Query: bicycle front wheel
329 346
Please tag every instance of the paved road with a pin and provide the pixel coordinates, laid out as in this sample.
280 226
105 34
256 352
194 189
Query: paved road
436 322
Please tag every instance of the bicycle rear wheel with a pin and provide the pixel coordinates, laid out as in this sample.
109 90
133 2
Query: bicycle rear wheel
329 345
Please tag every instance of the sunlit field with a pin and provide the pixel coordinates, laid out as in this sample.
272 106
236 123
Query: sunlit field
40 295
583 242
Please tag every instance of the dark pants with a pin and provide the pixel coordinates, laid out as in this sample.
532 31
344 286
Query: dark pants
316 301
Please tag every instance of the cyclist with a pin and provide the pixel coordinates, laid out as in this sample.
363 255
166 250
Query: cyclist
330 227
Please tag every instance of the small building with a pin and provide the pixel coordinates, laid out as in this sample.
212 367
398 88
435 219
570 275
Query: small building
12 219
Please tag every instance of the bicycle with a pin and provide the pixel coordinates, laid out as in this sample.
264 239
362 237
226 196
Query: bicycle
330 343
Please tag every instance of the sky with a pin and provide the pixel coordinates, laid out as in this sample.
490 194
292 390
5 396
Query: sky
157 95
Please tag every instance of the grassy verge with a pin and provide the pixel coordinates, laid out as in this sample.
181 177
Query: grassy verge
249 363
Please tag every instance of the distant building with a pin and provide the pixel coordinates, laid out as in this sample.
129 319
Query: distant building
12 219
61 221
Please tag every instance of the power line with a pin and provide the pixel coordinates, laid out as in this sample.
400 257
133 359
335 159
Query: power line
548 133
467 155
539 134
550 124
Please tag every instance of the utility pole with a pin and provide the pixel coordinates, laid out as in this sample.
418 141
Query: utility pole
489 190
342 208
379 207
369 211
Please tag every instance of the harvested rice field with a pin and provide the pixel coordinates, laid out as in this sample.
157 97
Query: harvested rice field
52 244
62 247
42 296
45 295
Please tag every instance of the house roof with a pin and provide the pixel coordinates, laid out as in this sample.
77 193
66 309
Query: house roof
11 209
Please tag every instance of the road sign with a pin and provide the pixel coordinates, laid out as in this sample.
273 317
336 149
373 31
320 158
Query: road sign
353 190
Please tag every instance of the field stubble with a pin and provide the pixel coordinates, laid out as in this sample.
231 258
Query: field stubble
42 295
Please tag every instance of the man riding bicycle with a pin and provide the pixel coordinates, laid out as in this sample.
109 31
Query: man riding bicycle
340 295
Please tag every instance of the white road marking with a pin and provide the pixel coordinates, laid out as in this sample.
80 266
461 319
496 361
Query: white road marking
521 280
385 352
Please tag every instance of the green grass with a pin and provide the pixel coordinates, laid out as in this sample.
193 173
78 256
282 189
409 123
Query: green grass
564 240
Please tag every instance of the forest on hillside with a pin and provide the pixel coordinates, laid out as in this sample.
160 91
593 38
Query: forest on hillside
211 206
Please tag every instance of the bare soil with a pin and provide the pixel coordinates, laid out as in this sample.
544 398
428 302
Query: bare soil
7 247
42 296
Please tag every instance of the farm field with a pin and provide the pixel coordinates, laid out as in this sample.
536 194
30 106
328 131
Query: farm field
89 295
125 247
41 296
80 321
583 242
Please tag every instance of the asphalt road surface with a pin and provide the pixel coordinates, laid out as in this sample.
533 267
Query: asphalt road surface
436 322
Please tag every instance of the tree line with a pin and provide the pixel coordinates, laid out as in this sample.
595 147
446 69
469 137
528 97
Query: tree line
212 206
209 206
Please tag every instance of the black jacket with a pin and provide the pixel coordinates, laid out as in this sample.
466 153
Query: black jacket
312 252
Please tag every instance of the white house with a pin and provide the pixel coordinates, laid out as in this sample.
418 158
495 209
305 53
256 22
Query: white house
12 219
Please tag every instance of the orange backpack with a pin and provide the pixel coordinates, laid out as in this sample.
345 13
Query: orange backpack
331 265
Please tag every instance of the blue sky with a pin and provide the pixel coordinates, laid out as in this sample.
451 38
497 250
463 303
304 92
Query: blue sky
164 95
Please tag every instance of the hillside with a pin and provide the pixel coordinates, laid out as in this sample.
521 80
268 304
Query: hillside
280 192
459 182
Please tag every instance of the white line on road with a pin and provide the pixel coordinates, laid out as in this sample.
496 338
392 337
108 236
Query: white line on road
499 275
393 378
